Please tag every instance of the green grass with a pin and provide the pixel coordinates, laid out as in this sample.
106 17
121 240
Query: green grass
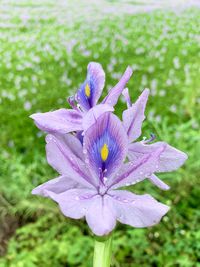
44 60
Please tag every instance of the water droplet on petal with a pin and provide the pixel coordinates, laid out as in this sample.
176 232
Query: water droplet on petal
105 179
49 138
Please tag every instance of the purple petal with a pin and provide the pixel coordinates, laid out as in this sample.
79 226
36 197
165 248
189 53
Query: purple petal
136 171
137 210
134 116
77 203
74 203
105 145
62 159
73 143
57 185
155 180
100 217
59 121
92 115
113 95
170 159
91 90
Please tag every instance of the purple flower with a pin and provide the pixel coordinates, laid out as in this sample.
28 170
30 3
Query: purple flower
84 103
90 175
170 159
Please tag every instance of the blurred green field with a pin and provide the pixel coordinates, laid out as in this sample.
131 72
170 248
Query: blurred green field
44 51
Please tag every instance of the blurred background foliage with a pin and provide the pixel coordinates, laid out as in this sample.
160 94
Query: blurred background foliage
45 47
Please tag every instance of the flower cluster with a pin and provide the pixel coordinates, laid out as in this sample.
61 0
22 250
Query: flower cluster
95 154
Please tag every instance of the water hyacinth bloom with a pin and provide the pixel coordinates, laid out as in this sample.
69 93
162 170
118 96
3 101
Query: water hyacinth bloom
83 104
92 173
170 158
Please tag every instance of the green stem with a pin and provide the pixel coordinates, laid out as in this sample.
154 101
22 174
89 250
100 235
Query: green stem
102 251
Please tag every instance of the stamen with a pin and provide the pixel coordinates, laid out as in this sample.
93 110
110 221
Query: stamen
71 100
151 139
102 176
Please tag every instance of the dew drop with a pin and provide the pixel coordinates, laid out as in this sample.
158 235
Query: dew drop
49 138
105 179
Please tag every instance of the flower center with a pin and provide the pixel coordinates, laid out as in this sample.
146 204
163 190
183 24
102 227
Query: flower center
104 152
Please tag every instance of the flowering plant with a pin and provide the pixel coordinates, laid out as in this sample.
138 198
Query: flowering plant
95 155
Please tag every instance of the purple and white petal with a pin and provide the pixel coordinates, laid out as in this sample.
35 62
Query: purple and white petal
100 215
136 171
134 116
74 203
59 121
105 146
170 159
113 95
137 210
62 159
92 115
57 185
91 90
159 183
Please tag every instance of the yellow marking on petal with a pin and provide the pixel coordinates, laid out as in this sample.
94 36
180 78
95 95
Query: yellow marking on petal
104 152
87 90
